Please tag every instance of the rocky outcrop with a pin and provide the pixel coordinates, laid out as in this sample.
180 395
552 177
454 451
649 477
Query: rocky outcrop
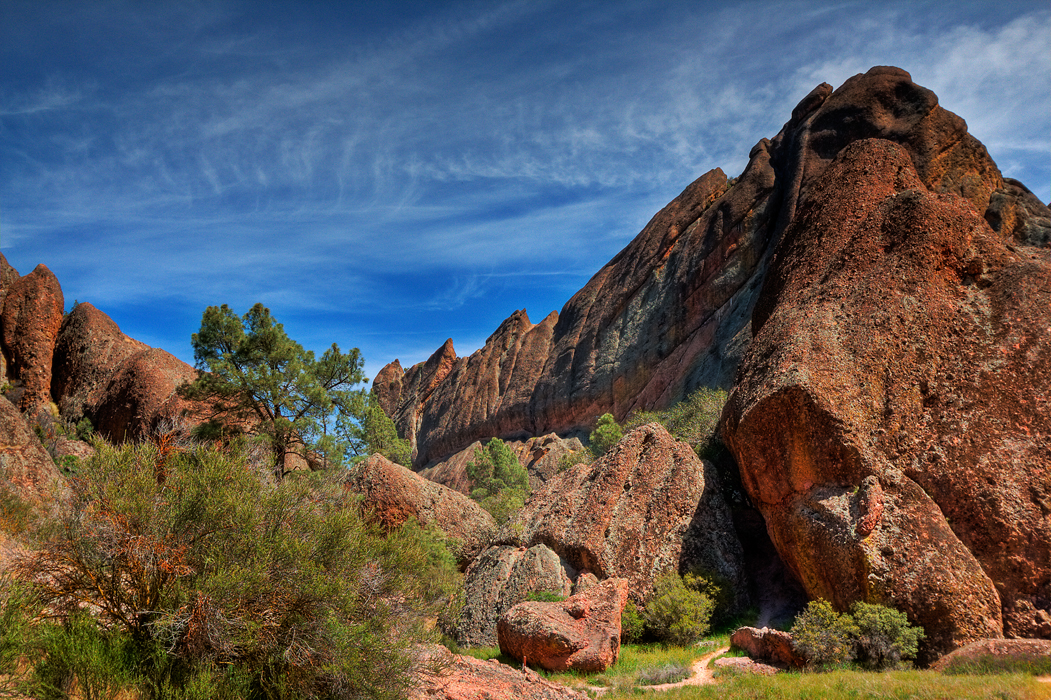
540 456
1007 654
648 506
767 645
442 674
581 633
890 419
501 578
25 466
394 494
32 315
89 349
672 311
140 397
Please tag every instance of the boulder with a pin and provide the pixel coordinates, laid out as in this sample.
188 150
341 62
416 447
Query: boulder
581 633
649 505
1008 654
890 417
540 457
441 674
767 645
25 466
501 578
32 315
394 494
89 349
139 396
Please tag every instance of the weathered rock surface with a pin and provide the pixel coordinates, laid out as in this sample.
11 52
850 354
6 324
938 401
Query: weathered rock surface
649 505
395 494
25 466
767 645
580 633
464 678
890 419
32 315
140 396
994 652
671 312
501 578
89 349
540 456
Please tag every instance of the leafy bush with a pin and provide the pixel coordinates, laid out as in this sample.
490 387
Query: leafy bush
216 579
17 610
500 483
885 637
632 625
678 612
374 432
79 654
606 434
693 420
575 457
823 636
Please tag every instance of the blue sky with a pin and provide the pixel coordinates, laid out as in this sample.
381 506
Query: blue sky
388 175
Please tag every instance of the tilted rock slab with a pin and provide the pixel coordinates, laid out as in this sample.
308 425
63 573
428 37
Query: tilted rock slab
581 633
32 315
648 506
891 417
501 578
442 674
394 494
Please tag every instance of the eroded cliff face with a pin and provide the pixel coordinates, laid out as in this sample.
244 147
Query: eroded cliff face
878 299
672 312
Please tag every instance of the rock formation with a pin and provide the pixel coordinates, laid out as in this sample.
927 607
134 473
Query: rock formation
25 466
540 456
581 633
32 315
89 348
648 506
501 578
394 494
442 674
767 645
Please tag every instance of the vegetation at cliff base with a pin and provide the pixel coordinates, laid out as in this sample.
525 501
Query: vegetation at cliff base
185 571
499 482
876 636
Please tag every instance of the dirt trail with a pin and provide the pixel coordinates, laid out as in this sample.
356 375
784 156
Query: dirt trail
700 675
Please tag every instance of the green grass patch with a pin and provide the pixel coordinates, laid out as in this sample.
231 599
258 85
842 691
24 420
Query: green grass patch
991 665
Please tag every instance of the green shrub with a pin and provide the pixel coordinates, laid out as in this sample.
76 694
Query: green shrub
632 625
658 675
606 434
499 482
678 613
79 654
16 514
824 637
18 609
575 457
885 637
218 579
694 420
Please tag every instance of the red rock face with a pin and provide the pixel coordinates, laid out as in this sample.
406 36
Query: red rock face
649 505
442 674
671 312
25 466
581 633
394 494
140 395
32 315
89 349
890 419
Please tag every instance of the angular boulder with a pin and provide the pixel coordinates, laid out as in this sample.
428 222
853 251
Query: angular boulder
32 316
649 505
441 674
89 349
581 633
394 494
501 578
767 645
890 417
